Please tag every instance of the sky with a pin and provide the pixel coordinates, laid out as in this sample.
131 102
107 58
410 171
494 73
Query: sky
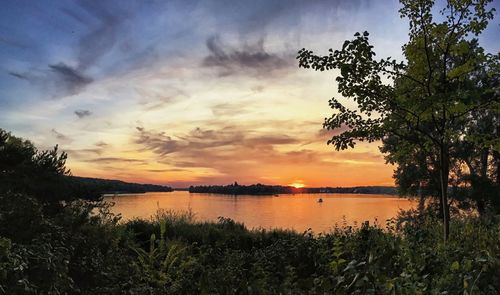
191 92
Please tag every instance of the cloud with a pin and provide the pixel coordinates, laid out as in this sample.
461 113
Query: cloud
103 23
83 153
157 142
260 15
230 109
82 113
227 152
199 139
14 43
69 79
115 160
250 59
257 88
19 75
60 137
59 80
166 170
154 99
326 134
101 144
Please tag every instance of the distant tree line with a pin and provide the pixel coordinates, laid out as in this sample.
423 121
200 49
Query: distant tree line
262 189
379 190
236 189
111 186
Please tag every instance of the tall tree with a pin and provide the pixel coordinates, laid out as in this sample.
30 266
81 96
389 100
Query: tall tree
423 102
39 174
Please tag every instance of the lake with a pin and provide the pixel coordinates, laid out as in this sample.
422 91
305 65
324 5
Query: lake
299 212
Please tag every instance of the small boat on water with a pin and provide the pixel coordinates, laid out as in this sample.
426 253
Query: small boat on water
320 200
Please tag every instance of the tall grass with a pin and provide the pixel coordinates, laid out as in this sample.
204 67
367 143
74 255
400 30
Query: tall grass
170 216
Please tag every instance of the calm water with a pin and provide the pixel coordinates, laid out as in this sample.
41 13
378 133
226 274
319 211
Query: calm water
298 212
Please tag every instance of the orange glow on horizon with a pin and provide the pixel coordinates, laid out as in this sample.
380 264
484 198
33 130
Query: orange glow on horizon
297 185
363 166
346 175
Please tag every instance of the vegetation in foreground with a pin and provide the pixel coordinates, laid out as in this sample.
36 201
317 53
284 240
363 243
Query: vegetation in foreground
83 249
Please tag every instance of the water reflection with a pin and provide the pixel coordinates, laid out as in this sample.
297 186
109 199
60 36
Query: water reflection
298 212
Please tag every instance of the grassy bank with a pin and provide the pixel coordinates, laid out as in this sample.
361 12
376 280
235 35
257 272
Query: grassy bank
77 251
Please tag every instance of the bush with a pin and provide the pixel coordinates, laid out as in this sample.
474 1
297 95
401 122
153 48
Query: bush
84 249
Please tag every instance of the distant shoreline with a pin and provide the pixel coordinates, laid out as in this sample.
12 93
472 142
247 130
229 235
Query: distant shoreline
117 187
111 194
110 187
261 189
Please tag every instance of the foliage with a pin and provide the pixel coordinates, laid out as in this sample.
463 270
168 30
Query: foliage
429 105
40 174
66 252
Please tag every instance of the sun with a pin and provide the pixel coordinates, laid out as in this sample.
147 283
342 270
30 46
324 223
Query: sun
297 185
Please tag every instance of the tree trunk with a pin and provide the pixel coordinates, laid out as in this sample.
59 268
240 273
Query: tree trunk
496 156
444 171
485 152
483 173
496 153
421 202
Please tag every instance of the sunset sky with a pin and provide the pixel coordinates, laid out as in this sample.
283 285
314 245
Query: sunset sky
190 92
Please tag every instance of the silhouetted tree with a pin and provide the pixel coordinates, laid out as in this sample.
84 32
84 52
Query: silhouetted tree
422 103
40 174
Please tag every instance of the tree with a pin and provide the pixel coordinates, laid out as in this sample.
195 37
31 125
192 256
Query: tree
39 174
420 104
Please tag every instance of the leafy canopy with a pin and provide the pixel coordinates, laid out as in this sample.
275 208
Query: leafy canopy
425 98
40 174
